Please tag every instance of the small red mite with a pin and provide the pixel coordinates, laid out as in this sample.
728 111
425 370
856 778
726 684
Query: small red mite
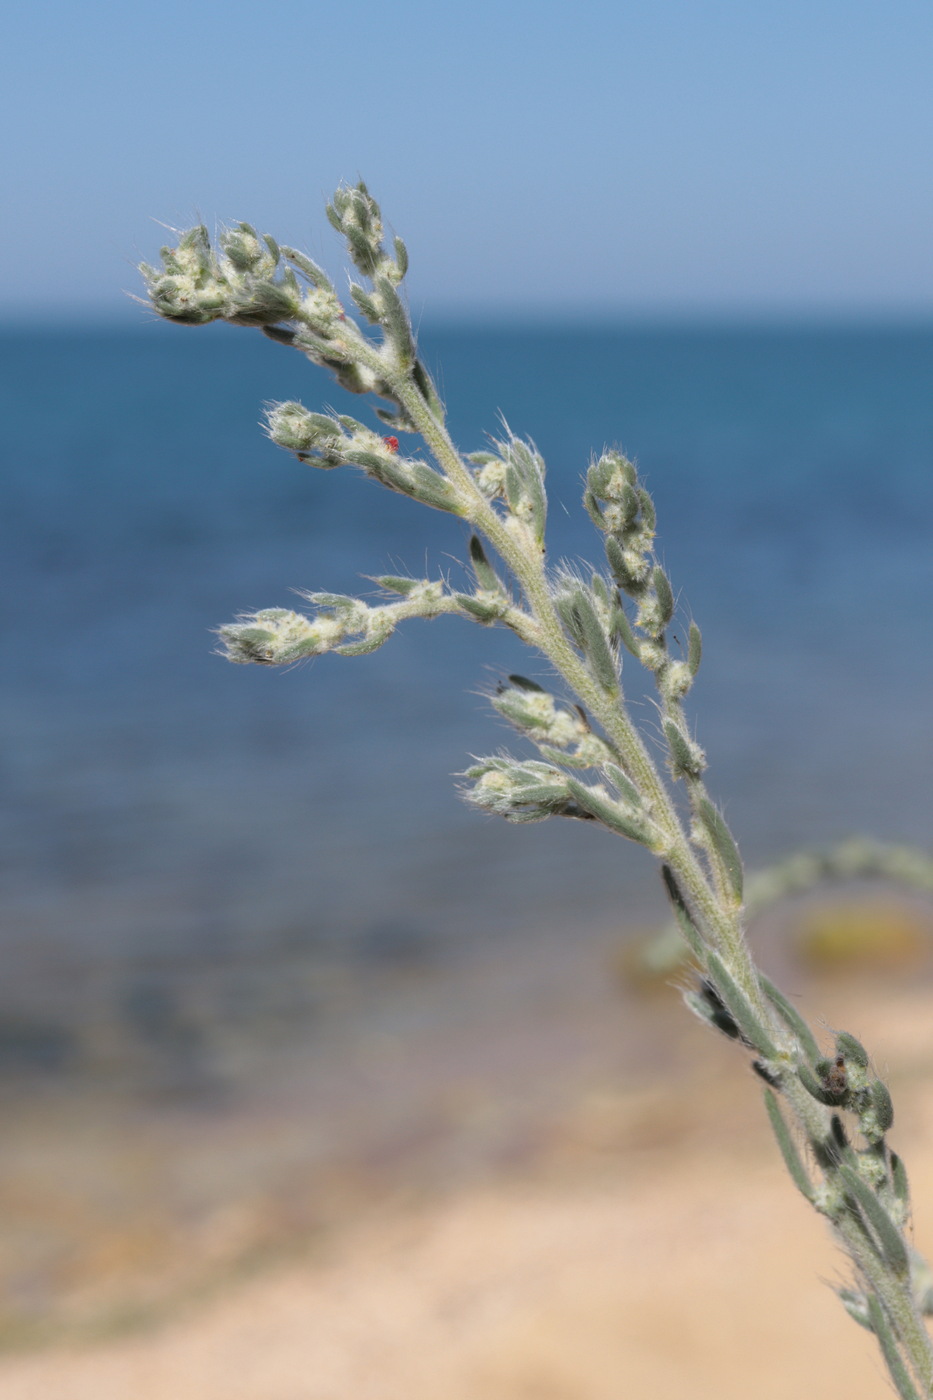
391 443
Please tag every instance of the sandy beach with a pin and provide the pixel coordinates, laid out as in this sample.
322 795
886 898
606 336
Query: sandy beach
575 1199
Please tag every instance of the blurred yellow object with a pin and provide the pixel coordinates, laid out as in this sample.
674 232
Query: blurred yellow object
868 933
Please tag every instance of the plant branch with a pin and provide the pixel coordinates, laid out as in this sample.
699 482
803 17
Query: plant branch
580 626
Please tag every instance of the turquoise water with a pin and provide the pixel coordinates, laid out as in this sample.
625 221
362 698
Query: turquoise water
163 810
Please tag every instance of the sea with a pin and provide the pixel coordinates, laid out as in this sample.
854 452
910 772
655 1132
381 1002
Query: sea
180 835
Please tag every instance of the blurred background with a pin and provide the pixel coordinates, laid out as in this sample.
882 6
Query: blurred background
267 981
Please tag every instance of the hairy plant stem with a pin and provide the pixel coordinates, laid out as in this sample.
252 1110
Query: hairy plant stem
723 925
897 1300
896 1295
580 627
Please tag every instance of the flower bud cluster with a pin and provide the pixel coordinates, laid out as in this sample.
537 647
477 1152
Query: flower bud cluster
847 1081
624 511
346 625
530 791
243 285
869 1183
587 611
551 725
332 440
342 624
190 287
278 636
254 282
251 281
356 215
621 507
514 474
520 792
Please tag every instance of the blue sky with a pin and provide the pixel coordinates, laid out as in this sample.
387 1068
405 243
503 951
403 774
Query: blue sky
679 157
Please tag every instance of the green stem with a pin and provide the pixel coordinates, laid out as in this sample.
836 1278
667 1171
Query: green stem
897 1299
893 1293
713 891
724 926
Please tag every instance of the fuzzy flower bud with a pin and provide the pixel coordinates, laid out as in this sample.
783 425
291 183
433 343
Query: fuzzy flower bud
263 302
191 288
290 425
490 478
611 477
195 287
538 714
676 680
276 636
321 311
520 792
246 252
356 215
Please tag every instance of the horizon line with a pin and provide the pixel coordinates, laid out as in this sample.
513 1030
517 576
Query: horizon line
15 320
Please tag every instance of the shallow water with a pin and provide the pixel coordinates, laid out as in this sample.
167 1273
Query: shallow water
177 831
